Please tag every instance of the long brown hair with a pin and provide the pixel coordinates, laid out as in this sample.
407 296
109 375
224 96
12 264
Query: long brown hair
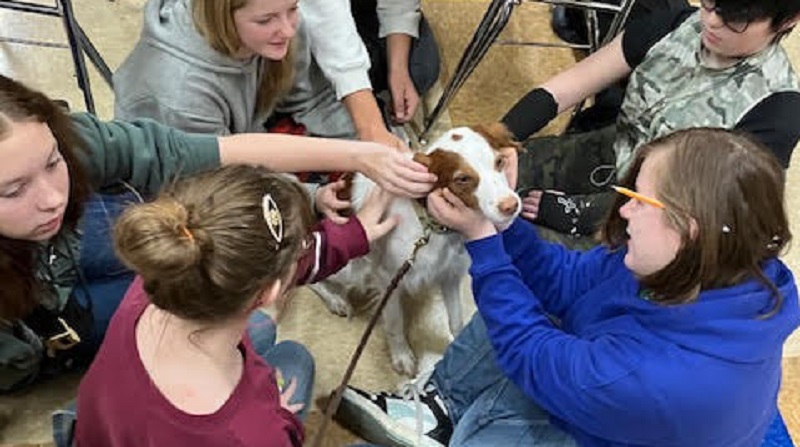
18 103
204 249
214 21
724 194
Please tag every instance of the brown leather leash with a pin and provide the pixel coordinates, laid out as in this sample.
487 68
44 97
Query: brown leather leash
333 404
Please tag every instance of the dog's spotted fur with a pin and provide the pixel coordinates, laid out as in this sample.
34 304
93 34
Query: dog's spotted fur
468 162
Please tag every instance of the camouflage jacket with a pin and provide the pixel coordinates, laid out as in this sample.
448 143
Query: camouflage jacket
673 89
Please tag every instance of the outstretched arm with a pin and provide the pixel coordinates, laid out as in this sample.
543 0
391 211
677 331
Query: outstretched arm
332 246
393 171
147 154
343 59
368 121
566 89
399 24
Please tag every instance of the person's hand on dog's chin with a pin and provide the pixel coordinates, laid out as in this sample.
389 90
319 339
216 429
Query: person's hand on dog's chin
451 212
372 214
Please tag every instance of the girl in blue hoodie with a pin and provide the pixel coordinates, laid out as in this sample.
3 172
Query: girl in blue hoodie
670 334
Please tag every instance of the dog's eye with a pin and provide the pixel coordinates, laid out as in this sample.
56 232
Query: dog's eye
462 179
500 163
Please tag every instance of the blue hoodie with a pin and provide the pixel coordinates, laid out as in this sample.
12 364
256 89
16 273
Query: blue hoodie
624 371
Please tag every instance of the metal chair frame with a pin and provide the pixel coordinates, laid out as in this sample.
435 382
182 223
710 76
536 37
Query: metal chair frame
494 22
79 43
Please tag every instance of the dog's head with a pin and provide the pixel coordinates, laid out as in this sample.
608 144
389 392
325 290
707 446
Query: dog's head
467 160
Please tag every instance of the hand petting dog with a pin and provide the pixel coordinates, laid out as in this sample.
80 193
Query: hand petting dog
329 204
451 212
372 214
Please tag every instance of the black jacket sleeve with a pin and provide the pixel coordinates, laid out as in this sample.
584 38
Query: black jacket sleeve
775 122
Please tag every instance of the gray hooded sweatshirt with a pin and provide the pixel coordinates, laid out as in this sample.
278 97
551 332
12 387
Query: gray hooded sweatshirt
174 76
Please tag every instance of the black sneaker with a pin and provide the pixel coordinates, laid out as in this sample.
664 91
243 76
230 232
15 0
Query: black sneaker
410 418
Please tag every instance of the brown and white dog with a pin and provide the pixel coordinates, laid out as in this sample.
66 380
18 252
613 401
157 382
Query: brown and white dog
468 162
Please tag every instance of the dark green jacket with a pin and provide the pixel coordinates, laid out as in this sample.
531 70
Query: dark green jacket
143 154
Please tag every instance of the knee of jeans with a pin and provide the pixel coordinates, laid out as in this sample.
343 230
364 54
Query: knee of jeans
425 76
300 355
262 332
425 60
424 73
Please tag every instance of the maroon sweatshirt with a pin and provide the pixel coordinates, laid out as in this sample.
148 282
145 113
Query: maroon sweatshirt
119 406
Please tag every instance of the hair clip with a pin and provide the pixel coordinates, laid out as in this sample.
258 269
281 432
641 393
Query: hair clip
272 215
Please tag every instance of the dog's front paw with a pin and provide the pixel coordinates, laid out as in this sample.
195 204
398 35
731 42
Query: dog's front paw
339 306
404 362
333 295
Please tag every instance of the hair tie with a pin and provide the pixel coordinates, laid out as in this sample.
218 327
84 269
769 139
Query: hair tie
187 233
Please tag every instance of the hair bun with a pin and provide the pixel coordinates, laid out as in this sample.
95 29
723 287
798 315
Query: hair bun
158 240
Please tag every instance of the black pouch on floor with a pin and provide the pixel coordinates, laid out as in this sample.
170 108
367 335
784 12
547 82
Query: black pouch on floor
45 344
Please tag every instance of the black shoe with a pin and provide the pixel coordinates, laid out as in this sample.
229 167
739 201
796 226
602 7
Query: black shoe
396 420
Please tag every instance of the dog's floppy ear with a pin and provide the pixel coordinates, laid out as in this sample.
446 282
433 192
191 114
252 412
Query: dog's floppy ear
498 135
423 159
440 162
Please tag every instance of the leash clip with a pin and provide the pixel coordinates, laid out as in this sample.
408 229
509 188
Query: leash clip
419 243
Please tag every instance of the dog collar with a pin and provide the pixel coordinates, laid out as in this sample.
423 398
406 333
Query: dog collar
425 218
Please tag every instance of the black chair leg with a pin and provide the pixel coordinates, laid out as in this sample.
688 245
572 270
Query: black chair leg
79 42
75 47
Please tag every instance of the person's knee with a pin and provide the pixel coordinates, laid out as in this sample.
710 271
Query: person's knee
262 332
425 61
300 356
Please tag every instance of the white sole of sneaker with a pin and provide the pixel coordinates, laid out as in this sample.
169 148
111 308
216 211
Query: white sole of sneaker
357 413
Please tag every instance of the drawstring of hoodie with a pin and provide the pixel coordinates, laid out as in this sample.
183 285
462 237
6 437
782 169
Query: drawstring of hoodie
81 279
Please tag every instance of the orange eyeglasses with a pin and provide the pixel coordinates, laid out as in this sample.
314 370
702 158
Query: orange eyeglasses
640 197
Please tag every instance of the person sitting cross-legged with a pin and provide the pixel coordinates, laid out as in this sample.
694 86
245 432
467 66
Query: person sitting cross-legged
669 334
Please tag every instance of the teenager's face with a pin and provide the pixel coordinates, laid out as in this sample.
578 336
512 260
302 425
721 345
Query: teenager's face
653 243
723 40
34 183
266 27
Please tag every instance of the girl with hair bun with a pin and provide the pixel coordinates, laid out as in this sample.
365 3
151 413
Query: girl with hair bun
196 355
60 280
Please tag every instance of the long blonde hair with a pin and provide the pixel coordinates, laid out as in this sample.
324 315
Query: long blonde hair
214 21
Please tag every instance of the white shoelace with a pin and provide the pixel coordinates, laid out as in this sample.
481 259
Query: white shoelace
414 389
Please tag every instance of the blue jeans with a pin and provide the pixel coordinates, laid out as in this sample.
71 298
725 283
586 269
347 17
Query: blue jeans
107 279
289 357
485 407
